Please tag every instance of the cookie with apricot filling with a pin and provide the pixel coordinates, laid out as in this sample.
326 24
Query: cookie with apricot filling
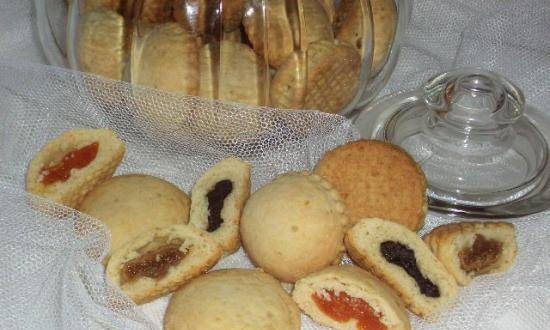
349 298
70 166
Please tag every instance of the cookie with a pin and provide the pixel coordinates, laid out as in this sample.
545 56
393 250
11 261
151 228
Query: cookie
133 204
158 261
397 256
377 180
349 298
469 249
328 82
315 25
353 27
275 26
289 84
167 59
152 11
231 71
330 9
89 5
232 14
100 43
232 299
71 165
294 226
217 200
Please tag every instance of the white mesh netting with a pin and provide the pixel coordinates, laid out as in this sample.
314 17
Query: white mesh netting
51 276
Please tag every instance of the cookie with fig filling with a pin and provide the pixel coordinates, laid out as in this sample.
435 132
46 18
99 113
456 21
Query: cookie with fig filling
350 298
71 165
469 249
158 262
217 200
397 256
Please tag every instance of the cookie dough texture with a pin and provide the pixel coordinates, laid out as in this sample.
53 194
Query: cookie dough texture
100 43
377 180
363 243
356 283
200 254
294 226
167 59
132 204
71 192
232 299
448 241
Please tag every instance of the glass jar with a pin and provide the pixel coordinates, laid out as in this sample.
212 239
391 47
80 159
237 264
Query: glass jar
328 55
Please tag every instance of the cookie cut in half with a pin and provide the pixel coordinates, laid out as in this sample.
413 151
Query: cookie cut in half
217 200
469 249
400 258
158 262
70 166
377 180
294 226
349 298
232 299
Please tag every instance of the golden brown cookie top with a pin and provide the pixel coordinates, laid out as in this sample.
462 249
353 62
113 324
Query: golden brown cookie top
377 179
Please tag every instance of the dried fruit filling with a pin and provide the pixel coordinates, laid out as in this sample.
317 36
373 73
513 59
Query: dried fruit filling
216 197
483 253
153 264
402 256
76 159
341 307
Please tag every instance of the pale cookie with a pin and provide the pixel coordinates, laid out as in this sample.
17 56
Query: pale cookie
400 258
377 180
368 303
167 59
469 249
232 299
275 26
232 73
354 27
157 262
100 43
217 200
328 82
315 25
294 226
71 165
133 204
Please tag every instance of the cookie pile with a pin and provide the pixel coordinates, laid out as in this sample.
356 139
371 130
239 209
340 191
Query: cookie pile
301 55
366 198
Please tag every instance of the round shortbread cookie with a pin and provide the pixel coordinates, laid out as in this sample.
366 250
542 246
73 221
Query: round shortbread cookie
377 180
232 299
294 226
132 204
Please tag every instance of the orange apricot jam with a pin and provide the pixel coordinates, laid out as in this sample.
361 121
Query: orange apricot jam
78 159
343 308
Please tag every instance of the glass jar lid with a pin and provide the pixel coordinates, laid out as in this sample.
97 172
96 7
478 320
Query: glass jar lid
468 131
